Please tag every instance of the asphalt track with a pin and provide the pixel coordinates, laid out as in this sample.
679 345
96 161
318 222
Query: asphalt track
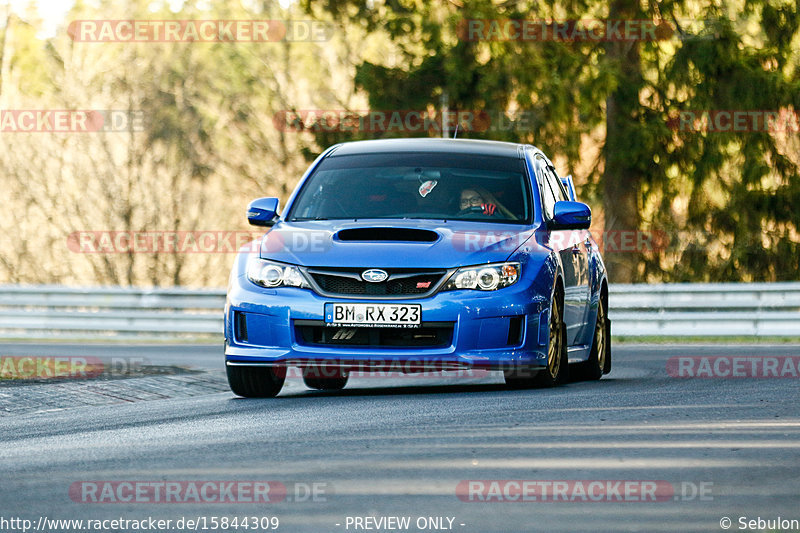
406 447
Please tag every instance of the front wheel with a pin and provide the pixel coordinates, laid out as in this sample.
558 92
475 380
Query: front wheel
556 370
256 381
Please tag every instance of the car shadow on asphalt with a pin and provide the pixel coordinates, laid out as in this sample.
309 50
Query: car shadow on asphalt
441 389
403 390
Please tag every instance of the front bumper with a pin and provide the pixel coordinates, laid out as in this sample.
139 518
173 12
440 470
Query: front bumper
493 330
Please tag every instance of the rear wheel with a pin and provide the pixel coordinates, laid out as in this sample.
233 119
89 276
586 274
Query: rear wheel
556 370
599 361
256 381
325 378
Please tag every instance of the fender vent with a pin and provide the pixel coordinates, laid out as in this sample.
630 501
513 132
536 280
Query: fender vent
240 324
515 331
387 234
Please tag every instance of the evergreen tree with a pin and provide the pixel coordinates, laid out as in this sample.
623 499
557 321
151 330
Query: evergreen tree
720 202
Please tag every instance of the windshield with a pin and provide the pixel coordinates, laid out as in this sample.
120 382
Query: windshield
416 185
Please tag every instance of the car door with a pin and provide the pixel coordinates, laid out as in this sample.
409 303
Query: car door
571 247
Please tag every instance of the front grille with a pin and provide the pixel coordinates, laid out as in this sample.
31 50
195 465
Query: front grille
429 335
399 283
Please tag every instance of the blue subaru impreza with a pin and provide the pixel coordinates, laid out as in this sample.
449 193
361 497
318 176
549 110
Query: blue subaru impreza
417 255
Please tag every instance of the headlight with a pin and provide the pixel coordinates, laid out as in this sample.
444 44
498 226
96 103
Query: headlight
485 277
270 275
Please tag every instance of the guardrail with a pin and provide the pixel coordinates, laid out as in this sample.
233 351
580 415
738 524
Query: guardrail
705 309
671 310
45 311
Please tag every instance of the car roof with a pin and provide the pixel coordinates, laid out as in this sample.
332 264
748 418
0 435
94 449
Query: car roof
429 145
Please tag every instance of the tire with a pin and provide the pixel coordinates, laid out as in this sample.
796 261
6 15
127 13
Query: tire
325 379
599 361
256 381
556 370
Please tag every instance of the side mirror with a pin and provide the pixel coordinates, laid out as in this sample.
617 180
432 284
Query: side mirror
571 215
262 212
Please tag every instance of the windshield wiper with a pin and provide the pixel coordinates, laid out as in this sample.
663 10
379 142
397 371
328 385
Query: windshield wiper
304 219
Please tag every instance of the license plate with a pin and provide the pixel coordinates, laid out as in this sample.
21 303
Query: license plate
373 315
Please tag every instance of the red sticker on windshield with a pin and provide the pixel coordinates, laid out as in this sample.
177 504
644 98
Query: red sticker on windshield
427 187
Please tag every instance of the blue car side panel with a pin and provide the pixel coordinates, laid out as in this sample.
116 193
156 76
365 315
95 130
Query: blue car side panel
598 278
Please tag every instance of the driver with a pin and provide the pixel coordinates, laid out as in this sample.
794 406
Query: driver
471 198
480 201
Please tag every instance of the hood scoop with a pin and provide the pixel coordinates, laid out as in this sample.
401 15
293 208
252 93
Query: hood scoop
387 235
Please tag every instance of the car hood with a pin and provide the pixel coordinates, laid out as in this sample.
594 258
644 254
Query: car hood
393 243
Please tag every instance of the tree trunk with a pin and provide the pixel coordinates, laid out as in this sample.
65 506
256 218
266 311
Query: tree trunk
621 179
